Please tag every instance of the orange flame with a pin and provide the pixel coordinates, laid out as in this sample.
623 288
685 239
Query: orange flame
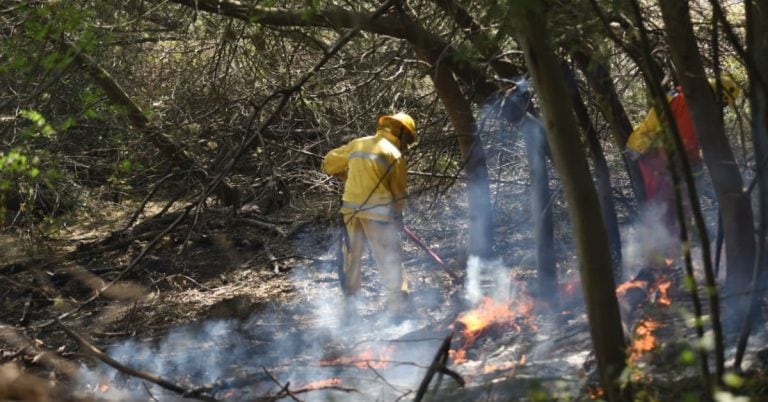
459 356
370 357
662 286
594 392
626 286
329 382
491 312
644 340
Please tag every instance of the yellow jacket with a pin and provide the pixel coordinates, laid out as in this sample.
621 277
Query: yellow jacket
646 134
376 174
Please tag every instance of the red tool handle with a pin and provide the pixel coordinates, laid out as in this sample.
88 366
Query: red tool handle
429 251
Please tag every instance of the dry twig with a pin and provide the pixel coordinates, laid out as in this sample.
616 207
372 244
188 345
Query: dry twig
92 350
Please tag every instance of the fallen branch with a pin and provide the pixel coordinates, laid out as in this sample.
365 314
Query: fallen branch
261 225
438 366
92 350
10 335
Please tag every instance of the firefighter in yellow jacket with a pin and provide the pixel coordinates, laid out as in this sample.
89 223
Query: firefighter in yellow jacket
374 172
646 144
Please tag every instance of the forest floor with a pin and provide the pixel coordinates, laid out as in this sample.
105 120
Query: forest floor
242 307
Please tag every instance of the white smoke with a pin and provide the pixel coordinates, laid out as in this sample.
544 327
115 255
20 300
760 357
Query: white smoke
648 240
486 278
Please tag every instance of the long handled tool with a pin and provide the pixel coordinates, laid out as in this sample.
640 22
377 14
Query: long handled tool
431 253
343 246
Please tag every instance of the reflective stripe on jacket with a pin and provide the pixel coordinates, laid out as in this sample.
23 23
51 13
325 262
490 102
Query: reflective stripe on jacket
375 186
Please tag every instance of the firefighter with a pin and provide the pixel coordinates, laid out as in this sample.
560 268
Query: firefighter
646 145
374 172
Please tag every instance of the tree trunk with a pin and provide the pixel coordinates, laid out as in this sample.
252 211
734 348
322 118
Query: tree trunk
734 203
591 240
757 49
541 210
610 106
602 172
515 107
460 113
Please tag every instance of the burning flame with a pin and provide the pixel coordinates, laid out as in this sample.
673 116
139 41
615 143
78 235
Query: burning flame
370 357
662 285
319 384
658 292
644 340
626 286
491 312
594 392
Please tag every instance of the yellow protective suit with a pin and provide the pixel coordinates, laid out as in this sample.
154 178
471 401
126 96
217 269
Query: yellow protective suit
375 174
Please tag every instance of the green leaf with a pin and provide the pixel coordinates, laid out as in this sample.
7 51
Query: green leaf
733 380
687 357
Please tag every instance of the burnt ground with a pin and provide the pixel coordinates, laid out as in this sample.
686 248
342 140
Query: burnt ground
248 307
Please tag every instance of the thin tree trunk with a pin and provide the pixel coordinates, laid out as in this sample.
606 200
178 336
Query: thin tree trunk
460 113
602 172
757 48
610 106
541 210
589 232
515 108
734 203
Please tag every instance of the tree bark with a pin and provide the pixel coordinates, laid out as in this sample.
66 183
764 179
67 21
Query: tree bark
514 106
541 209
602 172
757 49
591 240
735 207
473 155
611 108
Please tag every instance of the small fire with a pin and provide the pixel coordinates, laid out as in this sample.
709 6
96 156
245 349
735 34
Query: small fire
491 312
319 384
370 357
594 392
568 288
626 286
459 356
644 340
662 285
